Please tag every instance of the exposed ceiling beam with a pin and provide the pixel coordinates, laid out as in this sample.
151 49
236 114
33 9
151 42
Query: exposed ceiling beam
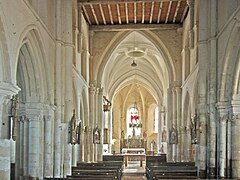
101 10
135 12
168 11
184 14
94 14
119 16
126 11
117 1
159 12
127 27
151 13
110 13
143 12
176 11
85 12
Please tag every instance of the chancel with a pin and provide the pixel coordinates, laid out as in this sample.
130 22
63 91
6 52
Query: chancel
101 89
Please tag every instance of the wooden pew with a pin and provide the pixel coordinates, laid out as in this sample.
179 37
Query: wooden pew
108 169
171 170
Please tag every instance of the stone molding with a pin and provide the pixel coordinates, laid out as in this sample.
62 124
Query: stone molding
235 117
7 89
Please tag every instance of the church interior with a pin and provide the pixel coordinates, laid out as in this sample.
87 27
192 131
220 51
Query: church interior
89 85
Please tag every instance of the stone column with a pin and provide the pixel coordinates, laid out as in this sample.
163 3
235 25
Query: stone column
68 82
174 122
67 151
6 91
58 93
96 122
178 120
57 142
92 124
191 12
25 148
223 118
235 145
19 149
203 57
100 123
110 130
48 143
212 93
34 116
161 115
169 122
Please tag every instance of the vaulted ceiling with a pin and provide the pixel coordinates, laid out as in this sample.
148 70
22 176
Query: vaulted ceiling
151 71
121 12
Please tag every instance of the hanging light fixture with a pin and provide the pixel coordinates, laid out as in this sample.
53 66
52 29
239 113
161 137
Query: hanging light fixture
134 64
107 104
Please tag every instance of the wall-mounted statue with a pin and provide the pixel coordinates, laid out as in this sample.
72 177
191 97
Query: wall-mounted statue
13 116
173 136
164 135
96 136
194 129
73 129
79 129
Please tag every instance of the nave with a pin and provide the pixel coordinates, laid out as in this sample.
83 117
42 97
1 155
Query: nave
83 78
152 167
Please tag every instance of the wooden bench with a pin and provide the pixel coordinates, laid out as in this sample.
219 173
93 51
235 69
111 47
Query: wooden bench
114 158
108 169
171 170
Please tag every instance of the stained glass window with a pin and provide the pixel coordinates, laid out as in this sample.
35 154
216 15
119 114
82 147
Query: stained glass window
133 122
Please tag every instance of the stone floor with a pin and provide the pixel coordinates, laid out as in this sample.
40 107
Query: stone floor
134 172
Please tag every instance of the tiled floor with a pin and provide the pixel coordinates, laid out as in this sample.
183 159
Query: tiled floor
134 172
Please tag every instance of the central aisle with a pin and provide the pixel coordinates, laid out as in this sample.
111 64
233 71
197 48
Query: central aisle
134 171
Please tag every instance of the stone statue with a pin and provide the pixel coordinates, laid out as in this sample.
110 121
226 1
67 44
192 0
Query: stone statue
194 130
162 149
122 134
173 139
73 126
96 136
164 135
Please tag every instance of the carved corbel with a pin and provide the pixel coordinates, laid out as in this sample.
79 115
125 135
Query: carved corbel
235 118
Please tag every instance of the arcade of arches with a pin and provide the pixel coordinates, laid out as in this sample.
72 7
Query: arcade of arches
57 71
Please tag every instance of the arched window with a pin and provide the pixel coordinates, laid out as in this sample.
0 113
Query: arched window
133 123
156 119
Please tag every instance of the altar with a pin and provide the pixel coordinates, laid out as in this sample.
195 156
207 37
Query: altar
134 154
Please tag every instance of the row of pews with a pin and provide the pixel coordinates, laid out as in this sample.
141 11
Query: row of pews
108 169
105 170
160 169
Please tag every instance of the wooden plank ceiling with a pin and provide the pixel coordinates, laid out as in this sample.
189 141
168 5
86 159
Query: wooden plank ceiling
123 12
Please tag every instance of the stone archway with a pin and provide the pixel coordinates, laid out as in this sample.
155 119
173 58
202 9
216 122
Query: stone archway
229 104
34 154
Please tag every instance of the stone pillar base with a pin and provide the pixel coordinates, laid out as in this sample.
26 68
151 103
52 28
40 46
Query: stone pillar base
212 173
33 178
4 159
202 174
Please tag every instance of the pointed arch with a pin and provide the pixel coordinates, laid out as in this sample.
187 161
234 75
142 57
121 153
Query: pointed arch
33 67
231 65
5 67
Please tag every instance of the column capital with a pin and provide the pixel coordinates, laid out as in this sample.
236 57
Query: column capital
235 117
7 89
224 118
